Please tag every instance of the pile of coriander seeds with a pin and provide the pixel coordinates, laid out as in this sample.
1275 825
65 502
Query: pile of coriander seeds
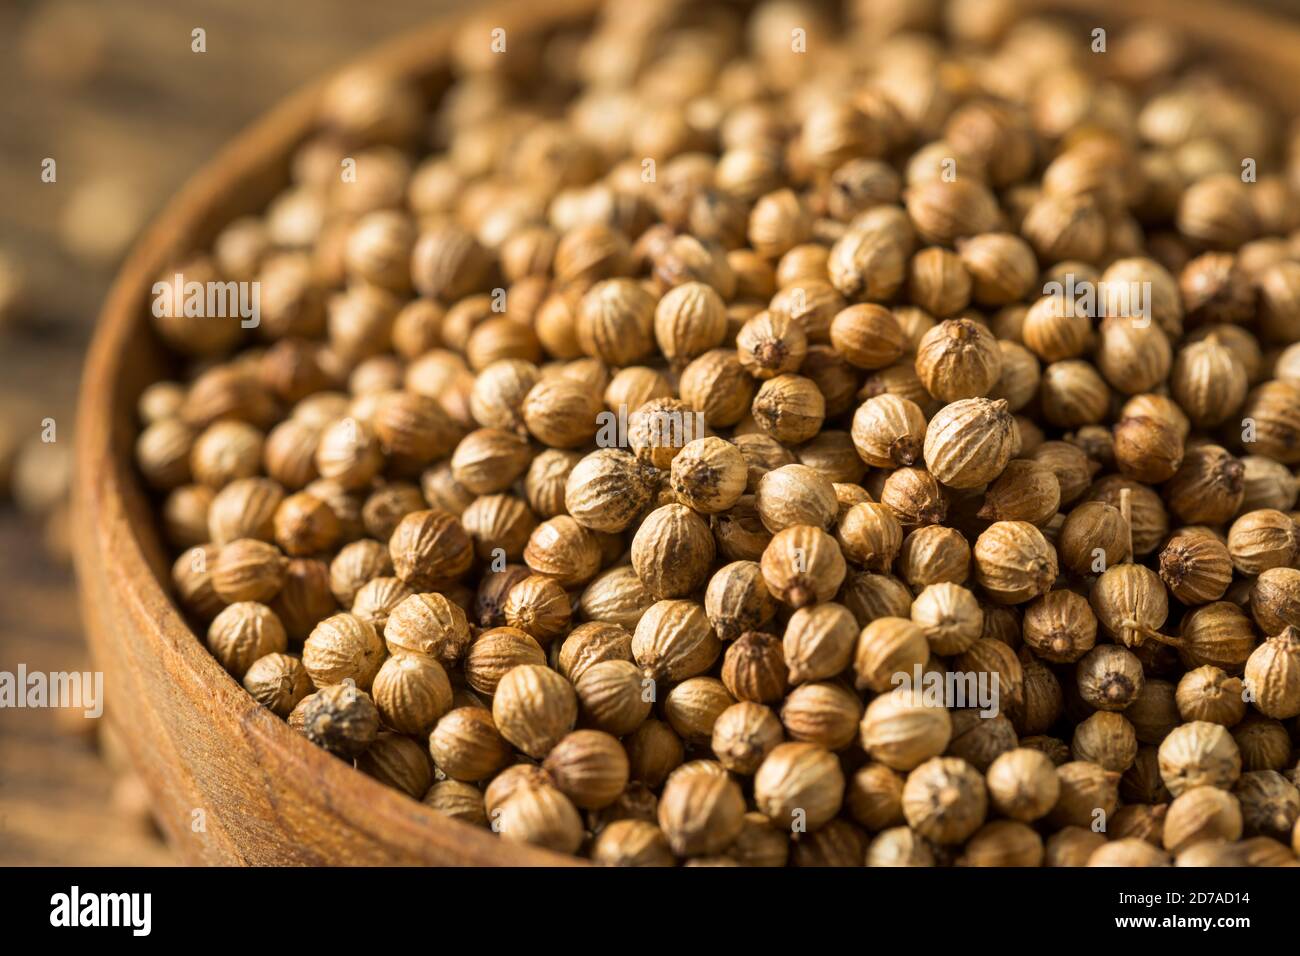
776 435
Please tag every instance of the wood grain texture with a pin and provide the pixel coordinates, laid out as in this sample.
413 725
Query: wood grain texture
202 744
56 794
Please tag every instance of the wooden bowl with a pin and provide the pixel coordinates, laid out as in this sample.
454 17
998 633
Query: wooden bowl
231 783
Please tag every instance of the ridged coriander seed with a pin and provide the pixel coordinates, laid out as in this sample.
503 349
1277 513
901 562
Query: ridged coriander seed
340 718
533 708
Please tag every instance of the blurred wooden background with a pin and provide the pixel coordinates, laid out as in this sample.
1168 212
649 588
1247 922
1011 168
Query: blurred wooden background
113 93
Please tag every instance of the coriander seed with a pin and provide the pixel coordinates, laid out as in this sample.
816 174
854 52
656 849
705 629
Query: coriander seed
278 682
1273 675
915 496
1155 712
1270 804
888 646
342 648
900 731
709 475
870 535
489 460
672 551
802 565
243 633
411 692
794 495
1107 739
616 596
1084 789
1210 694
949 616
819 642
540 815
1147 449
611 696
771 344
341 719
562 549
1025 491
1263 742
1263 539
1275 600
1130 851
429 547
867 336
875 797
654 751
1023 784
737 600
674 640
1199 754
429 624
1060 626
1196 567
1208 487
387 506
799 783
398 762
692 708
1055 330
1014 562
1071 846
744 734
822 713
1110 677
689 320
539 607
969 442
561 413
589 767
534 707
632 843
348 452
958 359
717 386
945 800
192 578
1218 634
888 431
1071 466
494 653
376 600
248 570
933 554
700 813
1201 813
900 846
590 644
790 408
1131 603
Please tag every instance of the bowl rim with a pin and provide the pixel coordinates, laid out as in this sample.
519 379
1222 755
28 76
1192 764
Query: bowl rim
106 480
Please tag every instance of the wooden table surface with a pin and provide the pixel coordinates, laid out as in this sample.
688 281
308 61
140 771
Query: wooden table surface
114 93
